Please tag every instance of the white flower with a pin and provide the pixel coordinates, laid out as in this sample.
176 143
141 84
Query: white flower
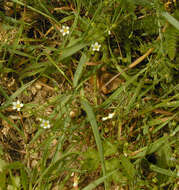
110 116
65 30
104 118
17 105
96 46
45 124
109 32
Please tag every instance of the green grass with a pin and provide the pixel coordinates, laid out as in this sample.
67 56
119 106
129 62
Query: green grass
61 79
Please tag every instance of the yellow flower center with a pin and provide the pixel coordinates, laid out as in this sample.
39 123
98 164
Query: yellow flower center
18 106
65 30
46 124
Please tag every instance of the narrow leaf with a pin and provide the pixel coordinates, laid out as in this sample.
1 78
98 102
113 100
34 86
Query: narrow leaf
92 120
128 167
79 69
72 49
99 181
163 171
171 19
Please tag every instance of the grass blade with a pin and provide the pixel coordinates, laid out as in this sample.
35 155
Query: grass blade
121 89
11 124
92 120
9 101
79 69
163 171
53 166
171 19
53 62
152 148
98 181
128 167
72 49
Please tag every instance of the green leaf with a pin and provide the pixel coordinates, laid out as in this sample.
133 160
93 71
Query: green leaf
48 171
91 160
2 165
110 148
163 171
3 180
90 165
112 164
72 50
36 10
24 179
171 20
128 167
79 69
17 93
151 148
11 124
121 89
58 68
4 93
92 120
15 165
94 184
37 134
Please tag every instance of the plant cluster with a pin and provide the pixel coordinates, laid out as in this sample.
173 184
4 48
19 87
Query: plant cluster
89 94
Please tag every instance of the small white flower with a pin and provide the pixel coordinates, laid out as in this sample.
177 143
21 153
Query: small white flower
45 124
109 32
110 116
65 30
96 46
104 118
17 105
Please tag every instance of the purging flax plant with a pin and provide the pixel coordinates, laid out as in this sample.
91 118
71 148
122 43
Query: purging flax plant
89 94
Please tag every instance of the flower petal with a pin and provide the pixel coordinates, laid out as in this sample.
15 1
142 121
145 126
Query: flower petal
110 116
14 107
104 118
14 103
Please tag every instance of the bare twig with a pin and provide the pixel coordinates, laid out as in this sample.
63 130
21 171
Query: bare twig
136 62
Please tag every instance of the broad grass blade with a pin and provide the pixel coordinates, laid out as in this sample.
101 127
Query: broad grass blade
171 19
92 120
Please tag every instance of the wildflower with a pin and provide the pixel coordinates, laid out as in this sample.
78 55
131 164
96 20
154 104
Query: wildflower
65 30
110 116
17 105
45 124
96 46
104 118
109 32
